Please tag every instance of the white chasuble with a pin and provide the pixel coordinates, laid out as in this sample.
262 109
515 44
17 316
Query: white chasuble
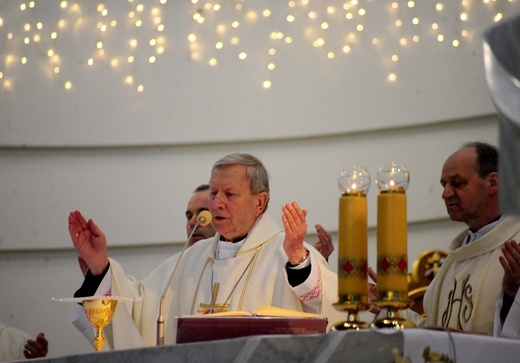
463 294
510 328
254 278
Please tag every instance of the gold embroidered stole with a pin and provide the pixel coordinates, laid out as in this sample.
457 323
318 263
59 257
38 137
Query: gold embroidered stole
213 306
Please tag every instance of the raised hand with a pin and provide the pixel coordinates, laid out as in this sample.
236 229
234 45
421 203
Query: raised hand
372 291
36 348
89 241
324 244
510 262
295 226
82 266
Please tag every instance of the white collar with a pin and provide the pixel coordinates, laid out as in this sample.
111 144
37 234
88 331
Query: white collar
481 232
228 250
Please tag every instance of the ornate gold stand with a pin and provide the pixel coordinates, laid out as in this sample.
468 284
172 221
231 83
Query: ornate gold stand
99 313
392 301
352 304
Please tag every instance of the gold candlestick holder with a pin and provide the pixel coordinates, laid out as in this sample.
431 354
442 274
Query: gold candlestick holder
354 183
352 305
99 313
392 301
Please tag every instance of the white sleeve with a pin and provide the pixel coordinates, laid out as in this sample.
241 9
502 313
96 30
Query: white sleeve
79 318
510 328
310 290
105 287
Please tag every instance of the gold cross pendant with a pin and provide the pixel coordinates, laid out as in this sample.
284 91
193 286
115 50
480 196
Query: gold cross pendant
213 307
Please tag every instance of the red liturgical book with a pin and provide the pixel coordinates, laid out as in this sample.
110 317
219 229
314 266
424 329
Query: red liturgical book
264 321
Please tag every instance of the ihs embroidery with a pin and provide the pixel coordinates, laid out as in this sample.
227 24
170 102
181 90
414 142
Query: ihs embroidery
462 298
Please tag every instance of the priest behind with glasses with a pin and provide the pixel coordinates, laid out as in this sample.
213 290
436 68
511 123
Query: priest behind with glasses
250 262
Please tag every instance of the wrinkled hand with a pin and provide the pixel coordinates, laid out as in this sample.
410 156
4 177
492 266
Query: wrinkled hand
295 226
372 291
89 241
324 244
36 348
510 261
82 266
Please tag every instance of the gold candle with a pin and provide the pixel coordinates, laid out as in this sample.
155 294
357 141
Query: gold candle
354 184
392 261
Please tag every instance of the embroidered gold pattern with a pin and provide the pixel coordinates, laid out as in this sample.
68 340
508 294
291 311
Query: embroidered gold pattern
249 269
464 299
430 356
213 307
398 358
353 267
390 265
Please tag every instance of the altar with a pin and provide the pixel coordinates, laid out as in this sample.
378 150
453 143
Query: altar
383 346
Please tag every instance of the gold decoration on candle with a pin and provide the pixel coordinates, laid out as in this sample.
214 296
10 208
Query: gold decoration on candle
392 262
99 313
354 183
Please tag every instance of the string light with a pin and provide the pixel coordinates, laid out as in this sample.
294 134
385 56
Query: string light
222 27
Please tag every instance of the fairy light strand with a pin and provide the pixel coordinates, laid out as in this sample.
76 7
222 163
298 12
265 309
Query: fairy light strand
332 30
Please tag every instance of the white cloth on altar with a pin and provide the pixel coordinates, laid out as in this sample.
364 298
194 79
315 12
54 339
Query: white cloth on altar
135 323
464 293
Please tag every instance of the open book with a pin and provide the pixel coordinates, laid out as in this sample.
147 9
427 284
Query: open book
265 311
232 324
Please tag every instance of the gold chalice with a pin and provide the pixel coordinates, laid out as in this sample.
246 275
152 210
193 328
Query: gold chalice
99 313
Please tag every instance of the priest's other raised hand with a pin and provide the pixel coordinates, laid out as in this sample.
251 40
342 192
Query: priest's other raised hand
89 241
295 227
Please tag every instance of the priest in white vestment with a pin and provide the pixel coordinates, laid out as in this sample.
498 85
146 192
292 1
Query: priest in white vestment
15 344
464 292
463 295
249 263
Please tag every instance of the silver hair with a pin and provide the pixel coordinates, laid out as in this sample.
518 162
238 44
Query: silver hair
256 171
